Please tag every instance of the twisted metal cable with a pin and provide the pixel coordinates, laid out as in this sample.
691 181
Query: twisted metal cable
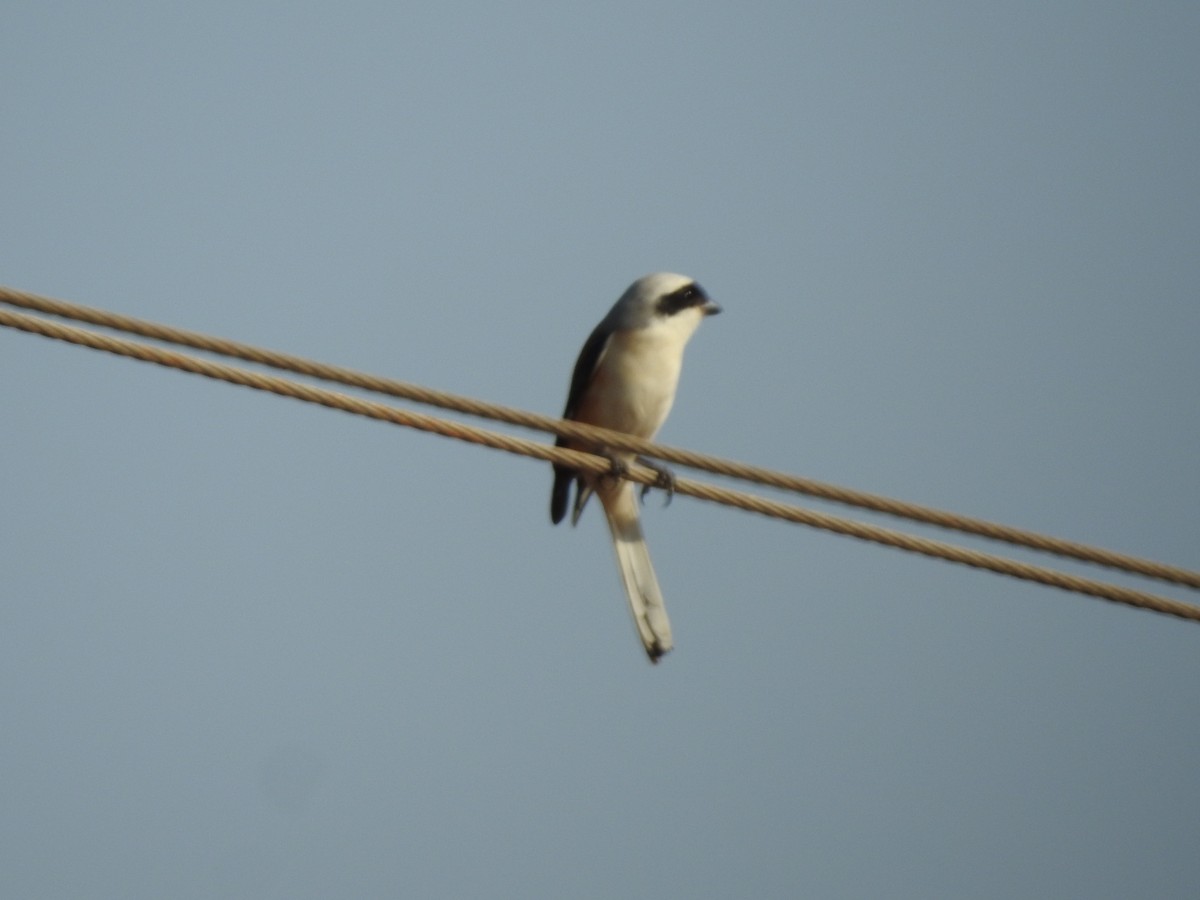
598 465
603 437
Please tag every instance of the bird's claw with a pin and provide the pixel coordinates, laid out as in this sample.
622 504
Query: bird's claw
664 482
618 469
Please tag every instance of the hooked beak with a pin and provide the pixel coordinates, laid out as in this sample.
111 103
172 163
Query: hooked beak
710 308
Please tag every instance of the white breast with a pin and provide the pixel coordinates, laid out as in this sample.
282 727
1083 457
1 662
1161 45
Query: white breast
634 384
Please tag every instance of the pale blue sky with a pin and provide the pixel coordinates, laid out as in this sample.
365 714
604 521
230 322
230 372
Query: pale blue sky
251 648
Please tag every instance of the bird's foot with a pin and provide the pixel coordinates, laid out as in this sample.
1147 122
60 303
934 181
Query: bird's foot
618 469
664 482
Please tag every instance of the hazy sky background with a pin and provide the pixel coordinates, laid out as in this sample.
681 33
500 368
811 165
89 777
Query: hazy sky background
253 648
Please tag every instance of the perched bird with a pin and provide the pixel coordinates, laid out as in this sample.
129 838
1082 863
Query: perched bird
625 380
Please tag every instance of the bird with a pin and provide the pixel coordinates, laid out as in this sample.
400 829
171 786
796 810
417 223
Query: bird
625 380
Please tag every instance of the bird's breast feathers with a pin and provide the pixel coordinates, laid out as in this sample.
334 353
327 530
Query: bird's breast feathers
633 386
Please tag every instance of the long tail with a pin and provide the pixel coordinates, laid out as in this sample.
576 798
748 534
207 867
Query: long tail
633 559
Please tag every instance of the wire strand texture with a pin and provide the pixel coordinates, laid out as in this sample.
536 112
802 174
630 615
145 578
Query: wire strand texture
598 464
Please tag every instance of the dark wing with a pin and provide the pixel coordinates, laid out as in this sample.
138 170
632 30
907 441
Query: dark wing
585 367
